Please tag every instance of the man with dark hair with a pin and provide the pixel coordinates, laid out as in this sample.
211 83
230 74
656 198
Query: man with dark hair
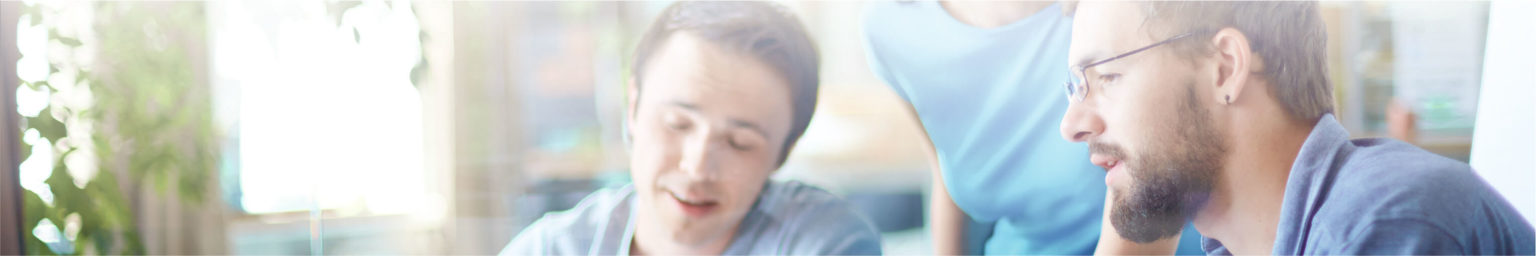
721 92
1220 113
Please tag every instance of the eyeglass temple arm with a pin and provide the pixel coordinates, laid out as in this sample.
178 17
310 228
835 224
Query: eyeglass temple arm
1123 55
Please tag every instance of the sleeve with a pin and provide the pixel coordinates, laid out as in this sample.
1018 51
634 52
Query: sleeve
835 230
873 17
528 242
1400 237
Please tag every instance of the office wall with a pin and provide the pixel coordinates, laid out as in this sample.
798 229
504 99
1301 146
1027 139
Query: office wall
1504 141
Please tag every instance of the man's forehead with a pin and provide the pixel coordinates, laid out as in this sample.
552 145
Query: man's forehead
1099 29
702 78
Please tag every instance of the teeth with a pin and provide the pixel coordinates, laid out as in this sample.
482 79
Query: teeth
684 200
680 198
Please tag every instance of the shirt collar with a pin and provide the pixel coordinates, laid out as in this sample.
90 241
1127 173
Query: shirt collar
759 215
1321 147
1327 143
1313 170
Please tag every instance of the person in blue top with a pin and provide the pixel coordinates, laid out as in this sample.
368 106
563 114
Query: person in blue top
980 77
1220 114
721 92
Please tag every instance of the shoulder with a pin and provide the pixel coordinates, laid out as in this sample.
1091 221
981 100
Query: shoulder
793 200
1393 236
1380 155
1418 236
1400 179
893 22
880 14
571 231
1390 197
1393 173
814 221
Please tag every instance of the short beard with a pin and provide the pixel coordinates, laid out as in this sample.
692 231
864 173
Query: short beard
1173 177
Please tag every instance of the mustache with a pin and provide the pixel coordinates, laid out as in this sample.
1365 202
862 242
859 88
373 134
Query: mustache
1107 149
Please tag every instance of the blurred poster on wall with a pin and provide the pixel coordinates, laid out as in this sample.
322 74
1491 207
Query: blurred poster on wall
1438 62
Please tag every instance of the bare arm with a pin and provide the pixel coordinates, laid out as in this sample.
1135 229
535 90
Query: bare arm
946 221
1110 242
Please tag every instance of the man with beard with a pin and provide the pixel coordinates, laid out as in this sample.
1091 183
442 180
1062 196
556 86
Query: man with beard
721 92
970 74
1220 113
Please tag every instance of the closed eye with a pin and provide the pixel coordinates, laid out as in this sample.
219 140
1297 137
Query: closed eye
1108 78
744 141
679 126
677 122
742 146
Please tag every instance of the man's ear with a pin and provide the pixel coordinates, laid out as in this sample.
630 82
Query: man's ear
1235 62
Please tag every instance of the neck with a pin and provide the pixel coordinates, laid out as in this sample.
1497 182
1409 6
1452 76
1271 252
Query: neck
1244 208
987 14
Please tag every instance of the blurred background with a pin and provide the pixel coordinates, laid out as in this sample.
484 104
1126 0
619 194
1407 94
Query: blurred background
444 127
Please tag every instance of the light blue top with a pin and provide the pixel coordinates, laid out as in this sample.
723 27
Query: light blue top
991 100
789 218
1386 197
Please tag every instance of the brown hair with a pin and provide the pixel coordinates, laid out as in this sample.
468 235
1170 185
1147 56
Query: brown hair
766 31
1288 35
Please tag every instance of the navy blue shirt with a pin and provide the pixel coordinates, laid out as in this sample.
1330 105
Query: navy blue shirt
1382 196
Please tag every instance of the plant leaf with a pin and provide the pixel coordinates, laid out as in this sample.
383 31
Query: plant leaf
69 41
51 129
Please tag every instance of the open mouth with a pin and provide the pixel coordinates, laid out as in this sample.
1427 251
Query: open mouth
1110 164
1104 161
1114 166
693 206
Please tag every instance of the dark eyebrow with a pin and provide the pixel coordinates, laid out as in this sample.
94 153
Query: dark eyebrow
734 122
